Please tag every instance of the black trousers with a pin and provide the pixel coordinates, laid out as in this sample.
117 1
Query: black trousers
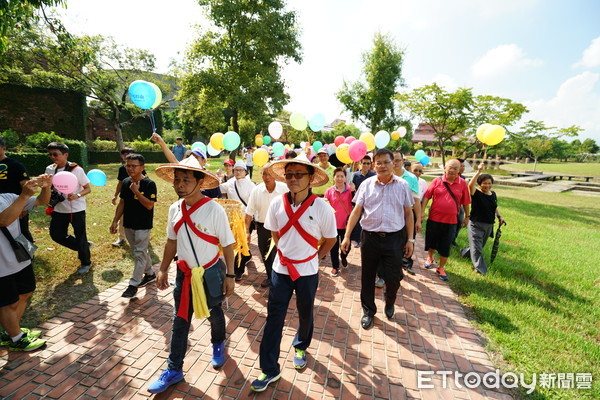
335 253
264 243
385 249
59 232
408 262
24 223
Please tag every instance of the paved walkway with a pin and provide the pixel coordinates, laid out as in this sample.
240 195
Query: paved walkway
111 348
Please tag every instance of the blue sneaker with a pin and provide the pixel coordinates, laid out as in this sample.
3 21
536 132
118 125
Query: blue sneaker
429 264
260 384
300 359
167 378
218 358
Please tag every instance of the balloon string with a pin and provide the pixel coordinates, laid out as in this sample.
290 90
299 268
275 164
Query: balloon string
152 121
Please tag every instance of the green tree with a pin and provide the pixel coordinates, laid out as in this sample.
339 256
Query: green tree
372 101
94 65
237 60
588 146
539 147
341 129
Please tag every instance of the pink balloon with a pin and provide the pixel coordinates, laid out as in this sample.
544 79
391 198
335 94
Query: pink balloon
350 139
357 150
65 182
338 140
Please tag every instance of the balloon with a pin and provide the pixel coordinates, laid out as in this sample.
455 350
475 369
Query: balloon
65 182
317 122
493 135
369 140
425 160
195 145
275 130
481 130
357 150
382 138
158 95
231 141
267 140
298 121
264 146
338 140
278 149
402 131
331 149
302 145
216 141
419 154
260 157
349 139
212 151
259 141
342 153
97 177
317 145
395 135
142 94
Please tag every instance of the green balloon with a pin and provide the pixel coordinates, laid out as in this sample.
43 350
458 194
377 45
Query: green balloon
231 141
267 140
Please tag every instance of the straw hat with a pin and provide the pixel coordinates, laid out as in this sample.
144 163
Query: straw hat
167 172
277 170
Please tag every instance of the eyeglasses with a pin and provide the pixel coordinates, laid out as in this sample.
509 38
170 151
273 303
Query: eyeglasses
55 154
296 175
132 165
380 163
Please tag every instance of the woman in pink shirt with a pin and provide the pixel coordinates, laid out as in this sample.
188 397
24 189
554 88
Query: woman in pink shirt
340 197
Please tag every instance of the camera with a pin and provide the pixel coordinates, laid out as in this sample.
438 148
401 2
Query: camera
55 198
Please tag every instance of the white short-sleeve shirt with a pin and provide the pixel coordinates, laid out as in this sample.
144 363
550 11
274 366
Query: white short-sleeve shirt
318 221
260 199
244 187
8 261
211 219
66 206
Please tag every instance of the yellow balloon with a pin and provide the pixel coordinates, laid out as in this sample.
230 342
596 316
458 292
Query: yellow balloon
259 140
481 130
493 135
260 157
395 135
216 141
342 153
369 140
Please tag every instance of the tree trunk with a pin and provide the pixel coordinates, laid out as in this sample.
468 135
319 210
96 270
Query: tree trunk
441 143
117 126
534 164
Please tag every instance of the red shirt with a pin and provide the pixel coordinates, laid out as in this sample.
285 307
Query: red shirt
443 207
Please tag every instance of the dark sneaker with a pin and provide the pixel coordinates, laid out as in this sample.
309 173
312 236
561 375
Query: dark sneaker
118 243
300 359
389 311
218 358
410 270
84 269
26 343
5 338
238 277
260 384
130 291
167 378
344 262
265 283
147 279
335 272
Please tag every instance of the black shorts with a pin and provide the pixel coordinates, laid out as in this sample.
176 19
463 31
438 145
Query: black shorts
19 283
439 236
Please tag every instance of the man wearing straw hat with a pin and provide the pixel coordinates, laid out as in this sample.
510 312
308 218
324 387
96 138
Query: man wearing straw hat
196 227
297 220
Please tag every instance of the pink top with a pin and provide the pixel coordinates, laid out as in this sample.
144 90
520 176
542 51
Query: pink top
443 207
341 203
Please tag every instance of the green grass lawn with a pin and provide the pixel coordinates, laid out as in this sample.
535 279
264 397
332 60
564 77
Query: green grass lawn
571 168
539 305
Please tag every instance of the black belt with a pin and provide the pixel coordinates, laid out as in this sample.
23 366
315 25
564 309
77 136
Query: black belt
382 234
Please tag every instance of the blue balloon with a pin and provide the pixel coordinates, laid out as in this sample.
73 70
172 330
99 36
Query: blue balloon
317 122
419 154
142 94
97 177
278 149
425 161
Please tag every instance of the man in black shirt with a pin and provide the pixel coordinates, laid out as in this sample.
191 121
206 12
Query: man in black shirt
122 174
13 176
136 205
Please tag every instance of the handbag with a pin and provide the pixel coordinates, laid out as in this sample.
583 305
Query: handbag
23 248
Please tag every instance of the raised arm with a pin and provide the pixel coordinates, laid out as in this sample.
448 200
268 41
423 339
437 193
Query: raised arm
473 180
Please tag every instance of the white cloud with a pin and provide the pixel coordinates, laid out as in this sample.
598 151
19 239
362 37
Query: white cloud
576 103
502 59
591 55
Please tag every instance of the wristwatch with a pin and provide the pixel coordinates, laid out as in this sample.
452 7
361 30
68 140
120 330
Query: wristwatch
412 240
78 195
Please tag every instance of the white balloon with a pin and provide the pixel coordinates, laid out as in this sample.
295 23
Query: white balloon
402 131
212 151
275 130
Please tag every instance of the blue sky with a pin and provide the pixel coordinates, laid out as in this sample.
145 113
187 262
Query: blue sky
544 54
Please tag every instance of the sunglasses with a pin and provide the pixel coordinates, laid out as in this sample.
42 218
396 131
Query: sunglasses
297 175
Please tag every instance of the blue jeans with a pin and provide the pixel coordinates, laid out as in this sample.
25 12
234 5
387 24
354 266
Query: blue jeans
280 292
181 327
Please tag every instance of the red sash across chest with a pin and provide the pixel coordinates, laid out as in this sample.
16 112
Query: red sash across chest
186 218
293 221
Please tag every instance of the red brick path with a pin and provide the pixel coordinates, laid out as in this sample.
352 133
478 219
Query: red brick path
112 348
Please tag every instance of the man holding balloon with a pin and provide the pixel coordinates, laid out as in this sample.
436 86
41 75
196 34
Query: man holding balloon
71 185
